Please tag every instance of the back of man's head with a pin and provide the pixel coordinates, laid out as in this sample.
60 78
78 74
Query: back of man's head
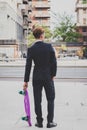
37 32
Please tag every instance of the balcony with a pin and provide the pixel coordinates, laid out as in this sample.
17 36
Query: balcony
25 14
22 7
29 31
25 22
84 33
81 2
19 2
81 6
42 5
81 24
29 28
25 1
29 20
25 27
42 15
30 8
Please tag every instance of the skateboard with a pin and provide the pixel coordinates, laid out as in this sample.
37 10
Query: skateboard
27 107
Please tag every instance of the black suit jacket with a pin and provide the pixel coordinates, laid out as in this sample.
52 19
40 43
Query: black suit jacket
45 64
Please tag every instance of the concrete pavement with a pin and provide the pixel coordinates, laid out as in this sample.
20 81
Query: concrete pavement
61 62
70 106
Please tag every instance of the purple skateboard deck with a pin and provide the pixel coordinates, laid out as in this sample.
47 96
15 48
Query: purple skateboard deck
27 107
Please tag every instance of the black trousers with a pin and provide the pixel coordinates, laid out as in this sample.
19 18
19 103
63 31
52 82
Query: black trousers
50 96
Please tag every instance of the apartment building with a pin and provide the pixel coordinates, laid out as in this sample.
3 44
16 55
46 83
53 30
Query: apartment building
14 23
16 20
81 11
41 12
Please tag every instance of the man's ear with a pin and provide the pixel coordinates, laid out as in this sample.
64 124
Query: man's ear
42 36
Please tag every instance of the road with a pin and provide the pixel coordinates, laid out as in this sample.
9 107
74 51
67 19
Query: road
62 72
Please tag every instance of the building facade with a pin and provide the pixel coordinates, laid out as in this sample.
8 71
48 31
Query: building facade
81 10
14 23
17 17
41 12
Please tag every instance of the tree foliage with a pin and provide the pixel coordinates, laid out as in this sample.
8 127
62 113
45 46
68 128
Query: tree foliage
65 29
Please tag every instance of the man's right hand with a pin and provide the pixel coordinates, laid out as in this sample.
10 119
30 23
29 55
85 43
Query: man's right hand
25 86
53 78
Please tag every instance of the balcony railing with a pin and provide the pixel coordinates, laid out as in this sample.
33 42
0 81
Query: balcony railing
26 19
79 5
42 15
30 8
25 13
23 7
25 27
81 24
41 5
7 42
19 2
25 22
29 20
84 33
81 2
29 28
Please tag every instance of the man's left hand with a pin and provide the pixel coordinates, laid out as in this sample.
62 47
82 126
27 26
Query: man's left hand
25 86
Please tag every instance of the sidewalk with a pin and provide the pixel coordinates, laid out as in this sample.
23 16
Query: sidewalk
70 106
68 63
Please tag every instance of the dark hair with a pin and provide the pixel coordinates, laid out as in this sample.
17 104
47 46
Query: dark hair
37 32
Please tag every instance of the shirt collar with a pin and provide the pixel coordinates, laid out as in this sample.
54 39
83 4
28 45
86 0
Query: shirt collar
38 40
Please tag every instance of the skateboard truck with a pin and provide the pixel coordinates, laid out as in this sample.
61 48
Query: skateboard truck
22 92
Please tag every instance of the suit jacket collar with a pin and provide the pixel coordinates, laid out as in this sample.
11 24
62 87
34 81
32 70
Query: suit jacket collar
38 41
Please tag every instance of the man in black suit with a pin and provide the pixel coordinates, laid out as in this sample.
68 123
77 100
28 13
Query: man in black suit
45 67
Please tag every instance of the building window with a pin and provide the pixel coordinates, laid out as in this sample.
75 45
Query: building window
84 29
40 21
78 17
84 11
84 20
85 38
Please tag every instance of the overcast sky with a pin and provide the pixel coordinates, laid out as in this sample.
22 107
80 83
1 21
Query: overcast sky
60 6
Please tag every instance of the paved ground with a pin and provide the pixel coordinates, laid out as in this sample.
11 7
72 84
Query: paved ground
70 106
61 62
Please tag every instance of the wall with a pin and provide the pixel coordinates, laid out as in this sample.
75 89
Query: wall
10 23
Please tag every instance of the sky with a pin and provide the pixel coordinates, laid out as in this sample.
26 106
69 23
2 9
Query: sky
61 6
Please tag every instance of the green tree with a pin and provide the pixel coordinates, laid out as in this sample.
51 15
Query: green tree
48 35
84 2
31 39
65 29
